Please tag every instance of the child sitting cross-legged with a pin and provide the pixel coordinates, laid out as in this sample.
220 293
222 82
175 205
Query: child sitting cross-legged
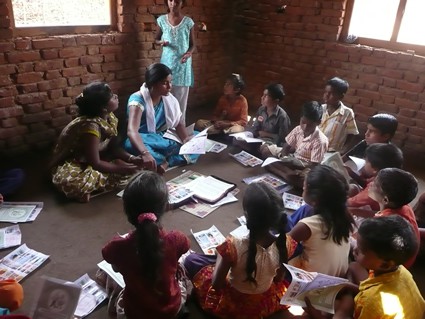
393 189
384 245
325 234
247 279
148 257
305 147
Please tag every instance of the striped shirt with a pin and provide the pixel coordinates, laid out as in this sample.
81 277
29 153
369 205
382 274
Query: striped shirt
311 148
338 125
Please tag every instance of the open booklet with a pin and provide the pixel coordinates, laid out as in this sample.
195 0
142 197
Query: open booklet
246 159
246 136
321 289
291 201
334 160
209 239
355 163
269 179
196 145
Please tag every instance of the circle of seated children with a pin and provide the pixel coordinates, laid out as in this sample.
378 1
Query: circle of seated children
231 112
151 111
87 157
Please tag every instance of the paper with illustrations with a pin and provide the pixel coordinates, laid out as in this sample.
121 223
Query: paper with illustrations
209 239
10 236
208 188
214 146
269 179
291 201
17 212
247 159
321 289
57 299
20 262
91 296
171 133
196 145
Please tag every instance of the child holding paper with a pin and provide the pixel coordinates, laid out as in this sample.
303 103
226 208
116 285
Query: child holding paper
305 147
384 245
148 256
249 270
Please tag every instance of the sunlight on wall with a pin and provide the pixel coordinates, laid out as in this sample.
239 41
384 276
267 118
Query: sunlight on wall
61 12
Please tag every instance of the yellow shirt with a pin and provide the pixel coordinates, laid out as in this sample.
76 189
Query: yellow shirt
392 295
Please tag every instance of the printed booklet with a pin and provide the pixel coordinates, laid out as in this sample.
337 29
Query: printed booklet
20 263
291 201
319 288
19 212
246 159
269 179
334 160
209 239
91 296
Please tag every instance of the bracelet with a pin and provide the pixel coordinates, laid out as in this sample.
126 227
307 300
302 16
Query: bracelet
144 153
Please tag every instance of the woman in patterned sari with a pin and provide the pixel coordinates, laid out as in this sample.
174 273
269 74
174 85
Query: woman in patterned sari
151 111
87 157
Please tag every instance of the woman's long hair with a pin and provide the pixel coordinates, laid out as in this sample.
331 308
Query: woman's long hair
263 207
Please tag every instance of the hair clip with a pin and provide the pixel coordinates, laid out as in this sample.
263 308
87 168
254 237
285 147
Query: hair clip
80 95
146 216
238 76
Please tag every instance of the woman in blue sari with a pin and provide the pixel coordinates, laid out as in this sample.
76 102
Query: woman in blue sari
151 111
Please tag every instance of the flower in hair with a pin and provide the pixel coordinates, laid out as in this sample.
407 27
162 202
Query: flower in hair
146 216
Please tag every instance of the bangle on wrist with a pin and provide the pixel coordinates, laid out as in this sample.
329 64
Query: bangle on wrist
144 153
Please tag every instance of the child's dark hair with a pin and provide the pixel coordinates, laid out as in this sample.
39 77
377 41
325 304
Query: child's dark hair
237 82
339 85
312 111
400 187
276 91
93 99
328 189
156 73
391 238
182 1
147 193
385 123
383 155
263 208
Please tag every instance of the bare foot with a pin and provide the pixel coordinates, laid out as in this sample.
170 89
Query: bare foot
162 168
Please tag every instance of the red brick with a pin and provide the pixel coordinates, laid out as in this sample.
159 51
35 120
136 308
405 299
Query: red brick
37 117
72 52
31 77
417 131
72 62
33 108
92 50
55 74
85 60
360 109
407 113
60 111
69 41
24 56
31 98
407 103
373 95
61 120
68 72
389 91
23 44
114 49
385 107
27 88
55 94
8 91
72 81
6 46
47 43
10 112
413 87
10 122
48 65
87 78
50 54
7 102
52 84
88 39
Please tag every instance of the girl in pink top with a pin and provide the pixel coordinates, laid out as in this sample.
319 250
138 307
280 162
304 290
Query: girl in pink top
147 257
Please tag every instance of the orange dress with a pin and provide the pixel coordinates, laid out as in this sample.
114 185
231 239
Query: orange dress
259 300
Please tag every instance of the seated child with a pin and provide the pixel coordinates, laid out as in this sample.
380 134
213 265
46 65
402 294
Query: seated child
393 189
381 128
378 156
338 123
325 234
87 157
271 124
305 143
231 112
249 270
384 244
148 257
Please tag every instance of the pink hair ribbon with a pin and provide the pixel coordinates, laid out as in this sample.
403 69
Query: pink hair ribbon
146 216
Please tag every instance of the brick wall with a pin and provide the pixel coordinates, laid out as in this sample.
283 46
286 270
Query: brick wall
298 48
41 76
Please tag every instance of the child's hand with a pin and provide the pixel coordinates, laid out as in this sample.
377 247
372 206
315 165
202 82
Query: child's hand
185 57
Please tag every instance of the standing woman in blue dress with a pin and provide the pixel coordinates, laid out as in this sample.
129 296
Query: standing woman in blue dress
176 36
